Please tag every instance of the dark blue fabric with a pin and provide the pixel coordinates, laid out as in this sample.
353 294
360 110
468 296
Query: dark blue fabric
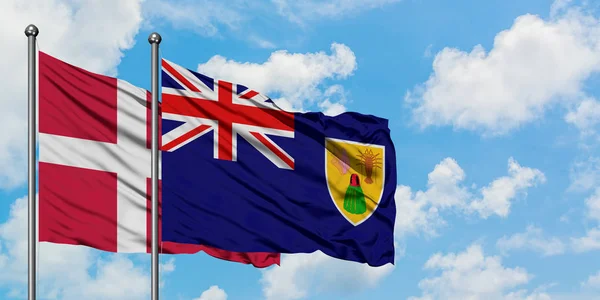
250 205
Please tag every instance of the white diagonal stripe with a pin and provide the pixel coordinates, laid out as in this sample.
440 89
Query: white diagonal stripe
208 93
189 123
262 148
184 93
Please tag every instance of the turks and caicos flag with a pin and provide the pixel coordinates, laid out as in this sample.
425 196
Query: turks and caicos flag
94 165
241 174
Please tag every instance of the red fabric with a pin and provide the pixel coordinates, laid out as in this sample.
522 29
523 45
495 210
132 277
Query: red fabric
76 103
78 206
74 215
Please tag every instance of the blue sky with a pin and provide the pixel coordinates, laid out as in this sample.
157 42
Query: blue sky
492 108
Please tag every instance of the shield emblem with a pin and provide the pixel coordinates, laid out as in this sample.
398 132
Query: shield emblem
355 174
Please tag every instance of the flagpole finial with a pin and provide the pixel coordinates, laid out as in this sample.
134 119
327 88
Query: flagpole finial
154 38
32 30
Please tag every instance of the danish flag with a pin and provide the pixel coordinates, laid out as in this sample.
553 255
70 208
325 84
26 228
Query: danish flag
202 105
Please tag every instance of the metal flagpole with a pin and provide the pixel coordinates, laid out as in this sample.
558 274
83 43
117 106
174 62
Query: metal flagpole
154 39
31 32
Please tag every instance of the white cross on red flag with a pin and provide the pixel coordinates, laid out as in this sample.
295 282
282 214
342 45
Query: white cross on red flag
95 163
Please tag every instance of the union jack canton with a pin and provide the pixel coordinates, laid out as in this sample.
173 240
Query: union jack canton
202 105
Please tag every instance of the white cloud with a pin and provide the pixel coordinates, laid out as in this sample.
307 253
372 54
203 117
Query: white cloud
296 77
331 109
443 184
589 242
420 211
524 295
201 16
213 18
427 53
213 293
209 18
168 266
592 204
592 282
496 196
559 6
261 42
532 66
415 214
70 31
472 275
585 174
301 274
306 10
586 116
532 239
115 276
334 102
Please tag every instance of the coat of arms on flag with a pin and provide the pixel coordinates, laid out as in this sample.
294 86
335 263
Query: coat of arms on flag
355 175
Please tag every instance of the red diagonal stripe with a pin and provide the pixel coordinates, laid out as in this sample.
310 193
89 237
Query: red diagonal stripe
179 77
172 144
275 150
249 95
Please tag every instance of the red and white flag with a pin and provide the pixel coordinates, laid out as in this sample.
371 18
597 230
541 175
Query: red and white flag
95 163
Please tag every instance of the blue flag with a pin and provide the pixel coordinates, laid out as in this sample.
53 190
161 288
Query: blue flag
240 174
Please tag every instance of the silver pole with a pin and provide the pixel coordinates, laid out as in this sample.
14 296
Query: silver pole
154 40
31 32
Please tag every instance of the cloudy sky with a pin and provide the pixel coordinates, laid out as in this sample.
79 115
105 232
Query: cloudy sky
494 110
